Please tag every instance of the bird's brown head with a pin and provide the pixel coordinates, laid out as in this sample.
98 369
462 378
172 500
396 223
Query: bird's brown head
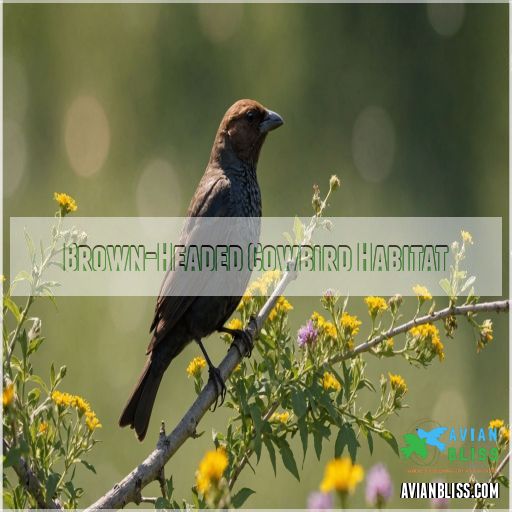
243 130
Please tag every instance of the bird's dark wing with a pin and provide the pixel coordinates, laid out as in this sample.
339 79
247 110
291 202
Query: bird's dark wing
212 199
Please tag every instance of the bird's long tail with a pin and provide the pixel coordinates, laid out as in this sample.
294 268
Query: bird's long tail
137 411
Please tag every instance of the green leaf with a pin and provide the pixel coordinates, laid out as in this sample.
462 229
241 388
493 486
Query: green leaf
298 230
13 308
256 419
347 379
241 497
51 485
33 396
346 437
34 345
8 500
317 438
170 487
52 376
288 458
445 285
468 283
12 456
299 404
163 504
88 465
303 431
24 343
503 480
271 453
390 439
369 438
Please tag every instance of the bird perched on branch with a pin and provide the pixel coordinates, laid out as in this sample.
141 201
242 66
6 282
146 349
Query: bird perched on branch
228 188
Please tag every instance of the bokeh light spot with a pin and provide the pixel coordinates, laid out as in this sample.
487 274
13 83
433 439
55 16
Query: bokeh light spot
446 19
87 135
158 191
15 157
373 144
220 22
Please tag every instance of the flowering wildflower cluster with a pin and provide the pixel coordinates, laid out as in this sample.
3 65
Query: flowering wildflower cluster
81 405
341 475
426 341
38 424
211 469
66 203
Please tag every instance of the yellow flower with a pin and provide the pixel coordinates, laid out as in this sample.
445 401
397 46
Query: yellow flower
8 395
422 292
195 366
325 327
330 330
318 319
271 276
487 329
430 333
505 434
282 417
330 382
92 421
64 399
246 299
466 237
43 427
282 306
350 324
341 475
81 405
211 468
67 203
235 324
398 383
496 424
375 304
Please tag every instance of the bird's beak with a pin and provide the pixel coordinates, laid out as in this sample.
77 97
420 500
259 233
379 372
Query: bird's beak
271 121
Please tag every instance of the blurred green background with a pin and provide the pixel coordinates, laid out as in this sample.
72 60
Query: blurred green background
117 105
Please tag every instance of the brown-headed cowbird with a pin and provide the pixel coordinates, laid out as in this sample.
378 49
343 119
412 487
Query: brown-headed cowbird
228 188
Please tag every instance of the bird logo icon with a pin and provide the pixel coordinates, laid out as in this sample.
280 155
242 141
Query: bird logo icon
417 443
432 437
414 444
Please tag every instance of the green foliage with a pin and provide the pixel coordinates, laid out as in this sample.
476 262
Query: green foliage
50 431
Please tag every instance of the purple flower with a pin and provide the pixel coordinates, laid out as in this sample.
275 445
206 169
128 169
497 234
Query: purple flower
379 487
307 334
320 501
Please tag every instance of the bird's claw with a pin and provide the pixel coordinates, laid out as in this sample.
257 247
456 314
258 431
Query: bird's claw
220 386
245 339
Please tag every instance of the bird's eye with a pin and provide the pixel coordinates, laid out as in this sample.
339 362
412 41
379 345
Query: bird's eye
250 116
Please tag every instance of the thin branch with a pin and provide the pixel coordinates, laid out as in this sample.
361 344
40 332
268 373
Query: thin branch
479 505
31 483
497 306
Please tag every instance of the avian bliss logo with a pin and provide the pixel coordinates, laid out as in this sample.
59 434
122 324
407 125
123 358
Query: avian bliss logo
463 444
